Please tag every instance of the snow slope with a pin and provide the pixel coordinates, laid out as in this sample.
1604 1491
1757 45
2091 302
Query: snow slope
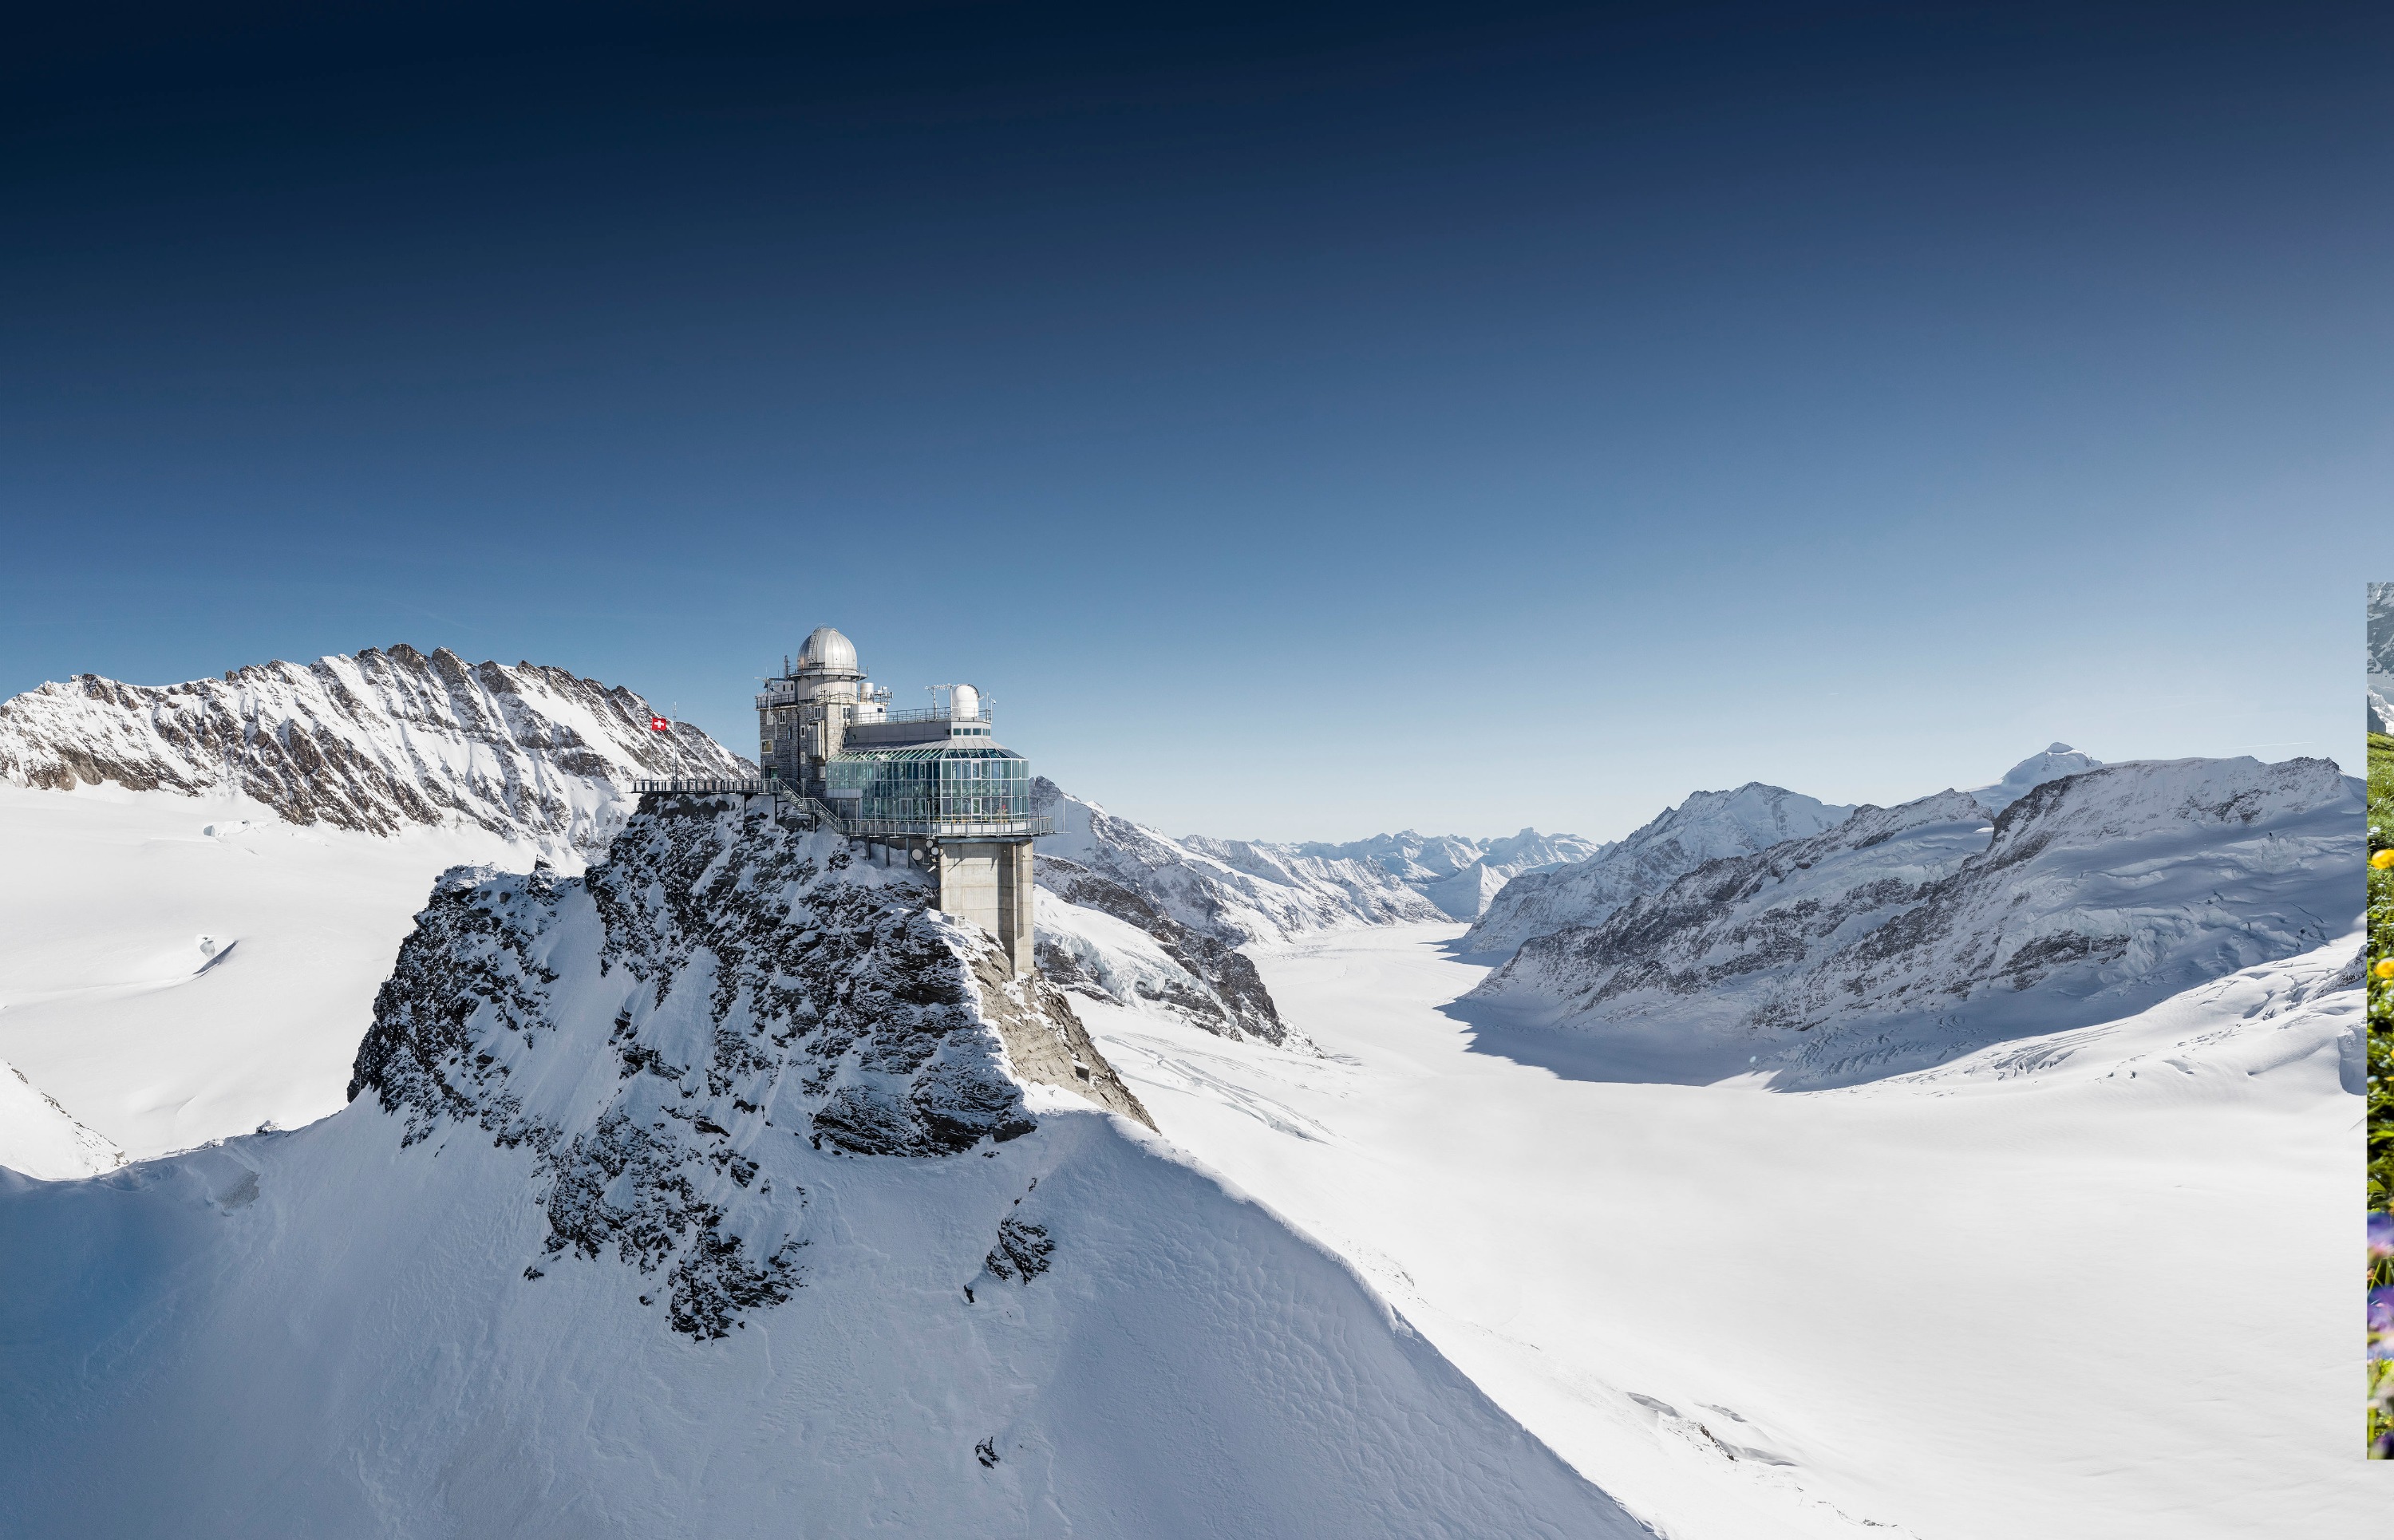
727 1191
1907 935
1705 827
171 985
380 742
2085 1285
41 1138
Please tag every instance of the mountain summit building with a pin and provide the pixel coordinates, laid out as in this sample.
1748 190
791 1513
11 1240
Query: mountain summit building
931 787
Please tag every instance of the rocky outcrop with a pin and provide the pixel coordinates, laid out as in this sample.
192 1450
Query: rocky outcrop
1907 935
727 983
378 741
1205 979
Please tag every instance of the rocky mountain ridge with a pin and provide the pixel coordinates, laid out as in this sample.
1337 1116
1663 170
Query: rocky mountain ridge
378 741
1706 827
1904 936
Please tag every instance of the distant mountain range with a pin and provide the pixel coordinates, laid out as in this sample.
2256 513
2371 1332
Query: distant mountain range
379 741
1901 937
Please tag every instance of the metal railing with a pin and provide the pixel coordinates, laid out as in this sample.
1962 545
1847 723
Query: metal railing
945 828
933 714
816 813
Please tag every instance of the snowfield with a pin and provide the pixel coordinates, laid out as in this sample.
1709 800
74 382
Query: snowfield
726 1190
167 985
2090 1283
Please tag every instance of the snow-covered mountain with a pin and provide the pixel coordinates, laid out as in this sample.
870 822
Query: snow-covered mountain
1705 827
728 1190
2057 761
42 1139
380 742
207 880
1907 935
1457 872
1234 889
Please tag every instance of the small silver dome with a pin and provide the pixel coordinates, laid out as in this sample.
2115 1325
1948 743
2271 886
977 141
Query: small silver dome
828 652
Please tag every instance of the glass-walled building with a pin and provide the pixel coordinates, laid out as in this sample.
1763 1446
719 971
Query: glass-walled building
962 785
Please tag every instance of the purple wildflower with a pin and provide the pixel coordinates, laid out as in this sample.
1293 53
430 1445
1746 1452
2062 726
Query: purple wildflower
2381 1309
2381 1235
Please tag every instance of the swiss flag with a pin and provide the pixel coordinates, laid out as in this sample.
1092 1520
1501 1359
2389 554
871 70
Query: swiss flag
658 724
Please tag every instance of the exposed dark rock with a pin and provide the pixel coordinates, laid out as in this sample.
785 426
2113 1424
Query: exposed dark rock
757 989
1231 998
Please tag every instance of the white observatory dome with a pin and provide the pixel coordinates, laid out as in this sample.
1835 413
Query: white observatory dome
965 703
828 652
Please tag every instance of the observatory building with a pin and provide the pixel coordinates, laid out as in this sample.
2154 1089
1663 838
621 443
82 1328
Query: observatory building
931 787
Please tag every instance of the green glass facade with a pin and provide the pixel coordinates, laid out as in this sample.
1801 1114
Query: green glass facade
931 786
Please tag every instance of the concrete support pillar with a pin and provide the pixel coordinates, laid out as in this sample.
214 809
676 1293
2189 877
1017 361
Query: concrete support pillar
987 883
1015 902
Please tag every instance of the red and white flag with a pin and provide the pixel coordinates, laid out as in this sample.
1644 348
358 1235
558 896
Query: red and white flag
658 724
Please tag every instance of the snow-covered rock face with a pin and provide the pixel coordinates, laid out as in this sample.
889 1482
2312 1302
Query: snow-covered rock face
1458 873
378 741
1235 890
753 978
726 1190
1099 938
2057 761
1908 935
1707 826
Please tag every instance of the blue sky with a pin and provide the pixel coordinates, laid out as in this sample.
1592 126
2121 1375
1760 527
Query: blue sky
1302 423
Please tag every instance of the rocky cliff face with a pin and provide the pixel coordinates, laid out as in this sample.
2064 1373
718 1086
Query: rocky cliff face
1707 826
1906 935
378 741
763 982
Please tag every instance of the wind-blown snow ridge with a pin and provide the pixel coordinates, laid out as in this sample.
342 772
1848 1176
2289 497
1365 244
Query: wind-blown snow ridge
1707 826
1907 935
377 742
726 1190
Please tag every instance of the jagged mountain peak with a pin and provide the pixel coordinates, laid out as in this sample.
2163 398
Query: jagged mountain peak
2057 761
380 741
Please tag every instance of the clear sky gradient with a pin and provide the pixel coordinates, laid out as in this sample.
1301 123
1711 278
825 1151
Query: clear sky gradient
1303 423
